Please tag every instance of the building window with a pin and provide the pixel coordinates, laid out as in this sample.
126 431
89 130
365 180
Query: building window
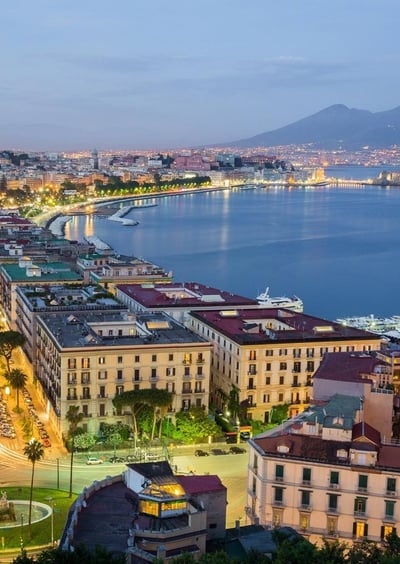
136 375
304 521
333 502
282 352
102 374
279 472
391 486
85 363
268 380
119 374
153 373
187 358
310 366
387 530
278 496
252 355
120 359
269 352
296 353
310 353
282 366
71 376
360 529
186 388
153 358
280 397
362 482
281 380
307 476
334 479
72 363
102 392
277 515
102 409
305 498
170 371
119 390
297 367
268 367
360 505
85 378
252 369
199 371
389 509
266 398
137 358
331 525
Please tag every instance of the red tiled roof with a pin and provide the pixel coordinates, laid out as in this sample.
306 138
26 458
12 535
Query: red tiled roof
200 484
364 431
346 367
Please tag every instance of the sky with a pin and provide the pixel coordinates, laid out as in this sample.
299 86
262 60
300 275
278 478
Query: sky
160 74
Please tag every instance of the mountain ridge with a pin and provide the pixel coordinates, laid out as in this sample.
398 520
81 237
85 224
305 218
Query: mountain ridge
336 126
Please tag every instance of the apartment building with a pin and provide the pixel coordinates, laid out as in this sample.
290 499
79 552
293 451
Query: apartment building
327 473
269 356
86 358
29 273
121 269
32 301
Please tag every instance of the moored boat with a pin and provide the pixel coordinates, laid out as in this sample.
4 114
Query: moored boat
293 302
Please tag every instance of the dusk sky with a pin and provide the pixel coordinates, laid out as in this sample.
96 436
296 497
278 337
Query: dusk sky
166 74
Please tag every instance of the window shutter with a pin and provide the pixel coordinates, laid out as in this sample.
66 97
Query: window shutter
366 530
382 532
354 529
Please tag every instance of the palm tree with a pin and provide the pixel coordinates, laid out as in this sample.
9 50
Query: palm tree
34 451
17 380
74 418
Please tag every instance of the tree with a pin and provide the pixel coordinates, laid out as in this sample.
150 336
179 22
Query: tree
138 400
84 441
17 380
74 418
194 425
114 439
10 340
34 451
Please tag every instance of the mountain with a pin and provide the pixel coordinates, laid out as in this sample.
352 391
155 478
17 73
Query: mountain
334 127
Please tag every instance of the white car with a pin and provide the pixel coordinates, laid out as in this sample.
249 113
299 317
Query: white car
93 460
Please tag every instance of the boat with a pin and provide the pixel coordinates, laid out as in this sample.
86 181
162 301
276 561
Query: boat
377 325
266 301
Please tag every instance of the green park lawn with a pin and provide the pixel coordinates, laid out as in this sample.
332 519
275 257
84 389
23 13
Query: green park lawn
10 538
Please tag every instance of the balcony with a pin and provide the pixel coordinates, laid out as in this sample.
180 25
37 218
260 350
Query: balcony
85 397
199 391
186 362
277 503
102 396
200 361
362 514
153 378
85 381
306 483
103 414
72 382
295 385
334 485
362 490
305 507
391 493
87 414
187 391
252 373
252 387
72 398
332 510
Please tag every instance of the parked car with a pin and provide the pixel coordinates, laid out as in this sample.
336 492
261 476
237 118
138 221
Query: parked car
200 452
94 460
237 450
218 451
116 459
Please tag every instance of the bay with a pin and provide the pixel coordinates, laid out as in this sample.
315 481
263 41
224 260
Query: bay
336 248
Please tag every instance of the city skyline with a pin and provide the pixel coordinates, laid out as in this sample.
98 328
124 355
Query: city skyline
157 76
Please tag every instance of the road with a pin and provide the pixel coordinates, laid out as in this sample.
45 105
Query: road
232 469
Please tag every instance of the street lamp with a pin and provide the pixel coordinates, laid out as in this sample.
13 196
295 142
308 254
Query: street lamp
51 500
7 391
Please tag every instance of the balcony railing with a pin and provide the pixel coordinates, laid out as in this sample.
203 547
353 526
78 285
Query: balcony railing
72 398
85 397
252 387
102 396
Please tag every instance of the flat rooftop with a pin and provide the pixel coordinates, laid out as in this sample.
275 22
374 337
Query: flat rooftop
94 329
182 295
264 325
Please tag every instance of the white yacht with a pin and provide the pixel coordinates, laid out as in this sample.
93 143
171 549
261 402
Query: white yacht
293 302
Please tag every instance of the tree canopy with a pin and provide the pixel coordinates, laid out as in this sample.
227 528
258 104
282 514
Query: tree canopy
9 341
